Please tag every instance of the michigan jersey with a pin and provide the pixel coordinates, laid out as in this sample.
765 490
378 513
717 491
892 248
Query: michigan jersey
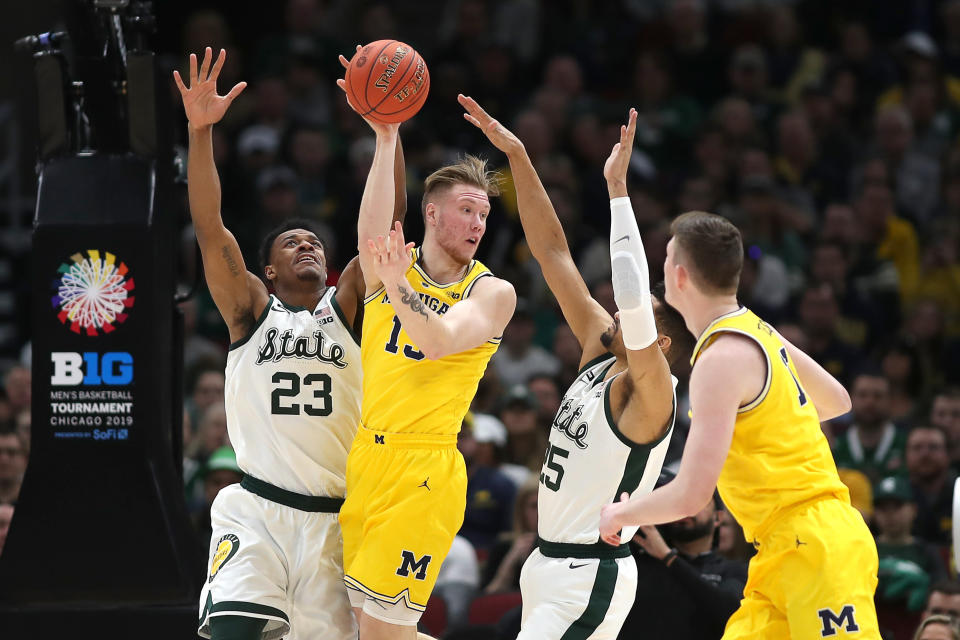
589 462
403 391
293 397
779 456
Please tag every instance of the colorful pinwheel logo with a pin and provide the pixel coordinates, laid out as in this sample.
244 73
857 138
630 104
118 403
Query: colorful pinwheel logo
93 293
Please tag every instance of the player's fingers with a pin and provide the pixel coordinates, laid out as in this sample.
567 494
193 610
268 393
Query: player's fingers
193 70
179 81
343 61
205 65
218 64
631 127
343 85
469 118
237 90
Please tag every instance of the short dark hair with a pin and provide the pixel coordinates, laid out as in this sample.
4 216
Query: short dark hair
293 223
711 249
671 323
949 587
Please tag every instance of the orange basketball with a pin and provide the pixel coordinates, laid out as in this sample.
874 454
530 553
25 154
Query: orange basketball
387 81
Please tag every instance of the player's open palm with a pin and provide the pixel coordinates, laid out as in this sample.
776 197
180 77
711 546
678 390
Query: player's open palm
391 256
200 100
379 128
615 168
501 137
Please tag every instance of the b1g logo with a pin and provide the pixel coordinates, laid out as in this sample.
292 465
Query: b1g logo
93 292
71 369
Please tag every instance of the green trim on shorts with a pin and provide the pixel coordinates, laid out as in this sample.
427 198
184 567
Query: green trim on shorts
597 550
316 504
249 608
600 597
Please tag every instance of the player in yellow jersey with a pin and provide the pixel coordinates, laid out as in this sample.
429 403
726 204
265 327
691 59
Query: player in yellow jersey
757 403
433 316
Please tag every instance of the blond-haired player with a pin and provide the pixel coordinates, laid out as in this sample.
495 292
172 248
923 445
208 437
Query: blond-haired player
433 317
756 403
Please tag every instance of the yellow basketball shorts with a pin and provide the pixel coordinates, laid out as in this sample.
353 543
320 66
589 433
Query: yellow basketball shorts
406 494
814 576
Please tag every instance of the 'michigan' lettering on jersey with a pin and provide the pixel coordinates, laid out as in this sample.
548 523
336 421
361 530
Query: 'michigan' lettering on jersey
428 301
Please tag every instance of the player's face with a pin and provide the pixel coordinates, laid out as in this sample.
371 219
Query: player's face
611 339
461 219
297 254
670 274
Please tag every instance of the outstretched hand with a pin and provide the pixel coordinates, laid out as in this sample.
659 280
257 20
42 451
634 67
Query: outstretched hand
615 168
390 256
501 137
200 101
610 525
379 128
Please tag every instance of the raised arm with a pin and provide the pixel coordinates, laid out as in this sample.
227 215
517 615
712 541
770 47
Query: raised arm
545 237
379 193
467 324
238 294
642 401
829 396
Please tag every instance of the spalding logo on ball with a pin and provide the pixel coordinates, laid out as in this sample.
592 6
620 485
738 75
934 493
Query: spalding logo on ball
391 89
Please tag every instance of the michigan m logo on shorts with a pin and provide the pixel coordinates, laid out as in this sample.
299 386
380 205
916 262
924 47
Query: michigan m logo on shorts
410 563
831 621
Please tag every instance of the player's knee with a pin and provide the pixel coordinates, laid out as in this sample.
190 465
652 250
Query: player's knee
236 628
386 621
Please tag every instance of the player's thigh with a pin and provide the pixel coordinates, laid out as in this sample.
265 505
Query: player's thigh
575 598
361 483
247 569
831 576
319 603
408 529
757 619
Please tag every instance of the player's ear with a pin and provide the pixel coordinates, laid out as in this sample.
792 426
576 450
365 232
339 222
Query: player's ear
430 214
270 272
664 341
682 276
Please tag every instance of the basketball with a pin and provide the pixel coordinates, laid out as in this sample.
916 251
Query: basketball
387 81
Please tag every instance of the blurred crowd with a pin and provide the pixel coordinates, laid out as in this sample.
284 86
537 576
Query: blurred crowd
828 132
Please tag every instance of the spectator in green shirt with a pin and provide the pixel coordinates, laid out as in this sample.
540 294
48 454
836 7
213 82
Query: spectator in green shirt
872 445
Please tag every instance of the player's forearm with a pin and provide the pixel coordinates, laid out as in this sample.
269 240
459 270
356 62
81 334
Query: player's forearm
537 216
826 392
423 325
203 182
399 183
378 201
669 503
631 277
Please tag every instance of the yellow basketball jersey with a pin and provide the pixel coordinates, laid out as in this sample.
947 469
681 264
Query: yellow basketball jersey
403 391
779 456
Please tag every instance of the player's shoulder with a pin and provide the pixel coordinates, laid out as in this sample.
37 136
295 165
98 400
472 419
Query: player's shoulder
728 350
492 286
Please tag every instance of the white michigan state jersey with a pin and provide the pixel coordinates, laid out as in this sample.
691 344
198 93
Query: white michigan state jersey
293 390
589 463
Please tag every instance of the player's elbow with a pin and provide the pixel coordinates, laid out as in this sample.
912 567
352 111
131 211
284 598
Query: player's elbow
695 501
844 404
